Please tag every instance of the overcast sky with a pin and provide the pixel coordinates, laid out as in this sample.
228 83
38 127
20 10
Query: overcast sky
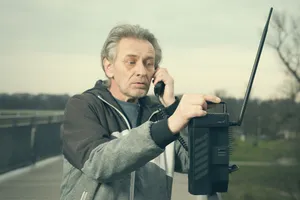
54 46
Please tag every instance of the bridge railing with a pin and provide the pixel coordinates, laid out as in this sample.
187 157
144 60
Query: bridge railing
27 139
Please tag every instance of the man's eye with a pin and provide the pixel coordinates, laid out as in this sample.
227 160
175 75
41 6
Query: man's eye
131 62
150 64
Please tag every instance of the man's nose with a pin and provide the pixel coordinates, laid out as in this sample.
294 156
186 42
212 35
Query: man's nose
140 69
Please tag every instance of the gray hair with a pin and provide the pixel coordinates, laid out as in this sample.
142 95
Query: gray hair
128 31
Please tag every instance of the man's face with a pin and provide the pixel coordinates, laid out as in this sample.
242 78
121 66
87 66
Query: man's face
133 68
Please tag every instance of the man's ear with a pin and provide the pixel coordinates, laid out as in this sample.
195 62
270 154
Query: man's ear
108 68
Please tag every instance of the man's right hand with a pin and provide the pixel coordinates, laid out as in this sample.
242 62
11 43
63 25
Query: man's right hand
191 105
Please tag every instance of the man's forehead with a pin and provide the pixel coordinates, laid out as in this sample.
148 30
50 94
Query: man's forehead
135 55
135 47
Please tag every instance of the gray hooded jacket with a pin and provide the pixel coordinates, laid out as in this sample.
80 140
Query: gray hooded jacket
106 159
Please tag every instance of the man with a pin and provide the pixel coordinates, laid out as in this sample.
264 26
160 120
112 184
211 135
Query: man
116 146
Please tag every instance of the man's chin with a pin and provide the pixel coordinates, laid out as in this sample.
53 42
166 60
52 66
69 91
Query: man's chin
139 93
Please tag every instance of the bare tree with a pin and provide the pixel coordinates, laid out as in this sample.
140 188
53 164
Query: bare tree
290 89
285 40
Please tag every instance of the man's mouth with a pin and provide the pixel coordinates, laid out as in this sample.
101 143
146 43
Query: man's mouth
140 83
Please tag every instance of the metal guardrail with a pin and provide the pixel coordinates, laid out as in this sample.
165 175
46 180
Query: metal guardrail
28 138
13 121
8 112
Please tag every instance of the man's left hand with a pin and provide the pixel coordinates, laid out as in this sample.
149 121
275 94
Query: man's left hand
168 97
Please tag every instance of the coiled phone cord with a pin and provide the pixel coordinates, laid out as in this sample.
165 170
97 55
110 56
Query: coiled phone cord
164 115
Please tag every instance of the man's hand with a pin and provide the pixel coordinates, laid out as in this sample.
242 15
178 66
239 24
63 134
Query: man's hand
191 105
168 97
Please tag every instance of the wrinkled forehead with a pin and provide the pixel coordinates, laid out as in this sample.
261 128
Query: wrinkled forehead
135 48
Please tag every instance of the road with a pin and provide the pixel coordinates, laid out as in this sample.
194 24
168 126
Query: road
42 182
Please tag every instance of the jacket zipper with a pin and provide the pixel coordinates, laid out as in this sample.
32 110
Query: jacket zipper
123 116
83 196
155 112
132 177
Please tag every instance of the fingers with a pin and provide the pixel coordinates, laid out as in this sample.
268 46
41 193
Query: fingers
158 78
199 99
212 98
199 111
180 118
190 111
190 106
211 101
161 74
195 98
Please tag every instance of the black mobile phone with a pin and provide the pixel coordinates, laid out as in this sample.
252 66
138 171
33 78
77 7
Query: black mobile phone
159 88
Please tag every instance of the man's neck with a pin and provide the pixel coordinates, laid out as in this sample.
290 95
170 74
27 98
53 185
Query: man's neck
118 95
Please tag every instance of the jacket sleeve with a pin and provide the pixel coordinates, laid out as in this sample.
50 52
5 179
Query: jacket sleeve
90 147
181 155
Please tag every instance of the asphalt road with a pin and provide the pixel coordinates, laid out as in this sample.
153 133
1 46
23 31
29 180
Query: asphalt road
42 182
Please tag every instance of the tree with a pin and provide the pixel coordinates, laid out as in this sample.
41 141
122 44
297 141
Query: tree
290 89
285 41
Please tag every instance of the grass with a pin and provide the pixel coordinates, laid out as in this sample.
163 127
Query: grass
264 183
265 151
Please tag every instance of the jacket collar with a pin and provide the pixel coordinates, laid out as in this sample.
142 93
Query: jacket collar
101 88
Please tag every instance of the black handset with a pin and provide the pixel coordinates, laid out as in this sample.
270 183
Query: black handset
159 88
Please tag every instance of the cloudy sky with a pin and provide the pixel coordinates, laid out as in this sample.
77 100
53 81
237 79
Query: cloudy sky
54 46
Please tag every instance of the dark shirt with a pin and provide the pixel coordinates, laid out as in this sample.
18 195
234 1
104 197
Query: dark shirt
131 111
